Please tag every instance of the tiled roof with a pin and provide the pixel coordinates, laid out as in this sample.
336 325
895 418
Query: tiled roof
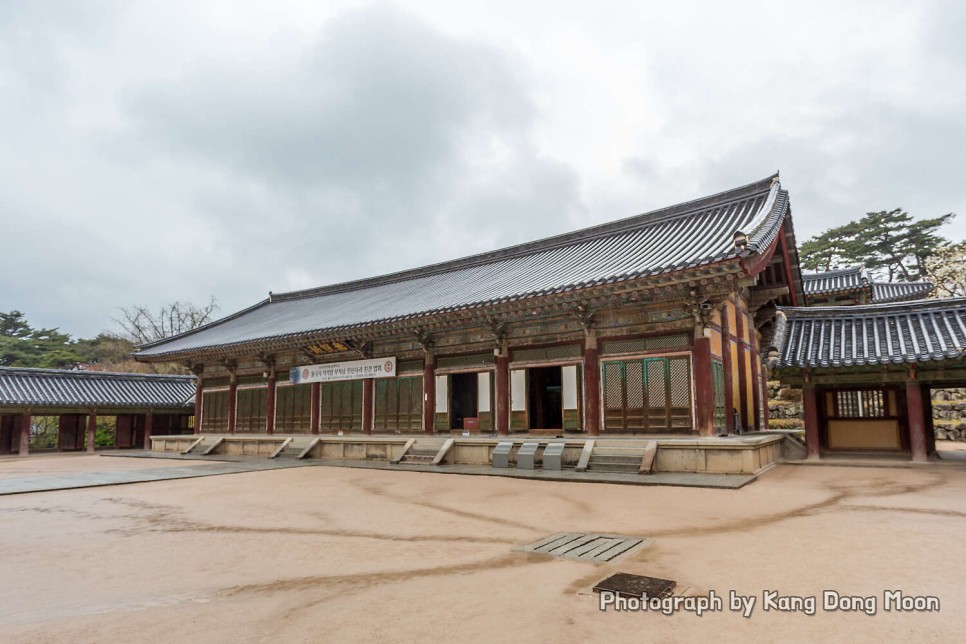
58 388
856 278
843 279
838 336
883 292
692 234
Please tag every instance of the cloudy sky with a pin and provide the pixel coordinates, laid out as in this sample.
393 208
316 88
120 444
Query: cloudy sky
161 151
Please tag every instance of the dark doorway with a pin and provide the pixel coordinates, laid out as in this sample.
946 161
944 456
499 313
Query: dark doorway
545 398
463 395
72 432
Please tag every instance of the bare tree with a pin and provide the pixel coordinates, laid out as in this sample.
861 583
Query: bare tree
141 325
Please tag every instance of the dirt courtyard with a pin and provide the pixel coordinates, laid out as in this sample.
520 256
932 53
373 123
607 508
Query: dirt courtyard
346 555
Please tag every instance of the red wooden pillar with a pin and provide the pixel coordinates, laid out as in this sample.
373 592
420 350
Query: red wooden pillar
367 406
25 432
199 410
591 379
917 420
703 386
812 434
742 367
148 428
502 377
315 414
729 393
270 403
91 430
232 402
429 393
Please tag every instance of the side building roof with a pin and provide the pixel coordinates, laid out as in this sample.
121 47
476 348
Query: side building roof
60 388
841 280
854 279
688 235
908 332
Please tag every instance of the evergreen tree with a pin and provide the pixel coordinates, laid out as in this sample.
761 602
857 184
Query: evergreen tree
888 243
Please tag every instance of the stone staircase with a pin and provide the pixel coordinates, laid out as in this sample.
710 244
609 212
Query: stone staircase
422 452
626 459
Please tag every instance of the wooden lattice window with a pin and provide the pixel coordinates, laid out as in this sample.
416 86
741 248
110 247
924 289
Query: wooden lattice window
865 403
293 409
251 408
341 406
214 411
648 394
398 404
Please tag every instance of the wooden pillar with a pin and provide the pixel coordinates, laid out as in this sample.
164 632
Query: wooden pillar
315 414
757 384
199 409
429 393
927 413
502 377
812 434
917 419
729 392
232 402
367 406
91 430
591 380
270 403
703 386
25 432
743 368
148 428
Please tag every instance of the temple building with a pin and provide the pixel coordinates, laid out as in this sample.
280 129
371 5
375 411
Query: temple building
54 409
646 325
852 285
866 372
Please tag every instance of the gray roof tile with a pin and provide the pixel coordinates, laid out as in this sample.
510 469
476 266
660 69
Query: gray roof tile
907 332
58 388
691 234
842 279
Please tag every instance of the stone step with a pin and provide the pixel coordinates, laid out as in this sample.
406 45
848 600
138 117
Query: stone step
422 452
629 468
418 459
618 460
608 450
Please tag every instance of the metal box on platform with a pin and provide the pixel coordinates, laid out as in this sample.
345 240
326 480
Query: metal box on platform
553 456
526 457
501 454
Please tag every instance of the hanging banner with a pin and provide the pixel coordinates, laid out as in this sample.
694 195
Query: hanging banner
375 368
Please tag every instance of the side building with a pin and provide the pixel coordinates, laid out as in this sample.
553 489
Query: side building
866 372
649 324
852 286
53 409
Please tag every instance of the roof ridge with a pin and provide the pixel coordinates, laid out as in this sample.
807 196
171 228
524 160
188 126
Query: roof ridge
870 309
598 231
88 374
835 271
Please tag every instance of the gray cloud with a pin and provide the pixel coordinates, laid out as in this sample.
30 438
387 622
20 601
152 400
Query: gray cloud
154 153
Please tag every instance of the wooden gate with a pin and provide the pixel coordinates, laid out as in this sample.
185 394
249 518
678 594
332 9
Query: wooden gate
647 395
398 404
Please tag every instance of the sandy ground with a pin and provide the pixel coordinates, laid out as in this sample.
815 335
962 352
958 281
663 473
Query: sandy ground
55 464
347 555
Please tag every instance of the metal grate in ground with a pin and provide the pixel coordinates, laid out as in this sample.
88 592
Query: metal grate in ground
599 548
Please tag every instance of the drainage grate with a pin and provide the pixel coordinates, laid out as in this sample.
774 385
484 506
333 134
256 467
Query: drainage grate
627 585
599 548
